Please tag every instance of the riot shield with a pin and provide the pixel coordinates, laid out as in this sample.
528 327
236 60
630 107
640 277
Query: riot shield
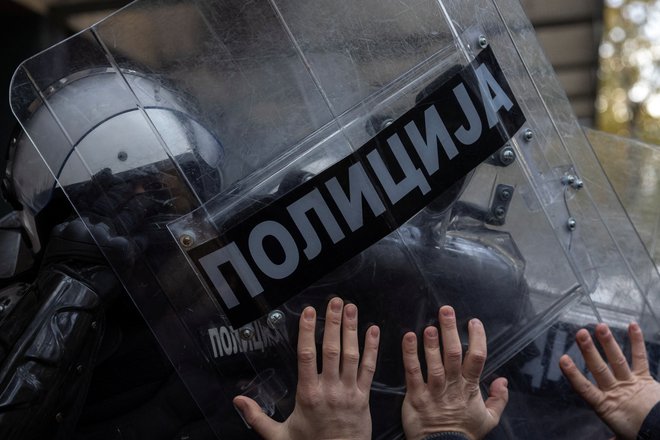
631 166
399 155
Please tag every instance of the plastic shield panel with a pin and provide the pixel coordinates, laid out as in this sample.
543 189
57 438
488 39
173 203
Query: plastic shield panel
632 168
258 158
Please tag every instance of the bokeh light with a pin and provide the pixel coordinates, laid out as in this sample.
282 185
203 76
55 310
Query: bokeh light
628 101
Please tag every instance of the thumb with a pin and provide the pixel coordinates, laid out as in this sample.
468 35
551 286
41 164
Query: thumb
255 417
499 396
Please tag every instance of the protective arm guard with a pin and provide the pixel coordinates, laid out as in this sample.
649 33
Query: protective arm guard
50 333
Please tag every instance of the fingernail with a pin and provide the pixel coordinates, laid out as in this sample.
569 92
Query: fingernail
308 313
431 332
505 382
410 338
635 327
603 331
335 305
351 311
375 331
583 336
565 362
447 312
475 322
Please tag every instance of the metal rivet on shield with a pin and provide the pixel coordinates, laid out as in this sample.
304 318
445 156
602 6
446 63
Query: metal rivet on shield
246 333
572 181
500 212
505 195
59 417
186 240
386 123
572 224
507 155
275 318
568 179
122 156
528 135
483 41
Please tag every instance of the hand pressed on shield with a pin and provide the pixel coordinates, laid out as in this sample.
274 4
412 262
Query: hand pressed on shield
622 397
450 400
335 403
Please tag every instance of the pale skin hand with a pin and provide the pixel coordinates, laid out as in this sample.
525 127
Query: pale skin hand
450 400
622 397
335 403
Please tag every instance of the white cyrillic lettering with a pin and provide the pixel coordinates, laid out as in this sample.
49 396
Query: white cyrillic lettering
465 136
258 338
428 149
226 341
215 342
492 103
236 340
230 254
414 178
298 211
359 186
284 238
225 338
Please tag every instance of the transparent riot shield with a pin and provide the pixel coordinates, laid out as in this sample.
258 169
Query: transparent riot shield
258 158
632 168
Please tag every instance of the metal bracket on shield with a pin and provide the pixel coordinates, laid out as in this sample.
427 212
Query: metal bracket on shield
572 181
500 204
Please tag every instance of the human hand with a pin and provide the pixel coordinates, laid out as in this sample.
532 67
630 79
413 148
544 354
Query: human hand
622 397
335 403
450 401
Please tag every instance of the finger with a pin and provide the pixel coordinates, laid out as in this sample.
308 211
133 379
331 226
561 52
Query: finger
414 379
255 417
595 363
613 353
477 351
640 361
498 398
350 351
369 357
580 384
332 340
451 343
307 370
436 371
